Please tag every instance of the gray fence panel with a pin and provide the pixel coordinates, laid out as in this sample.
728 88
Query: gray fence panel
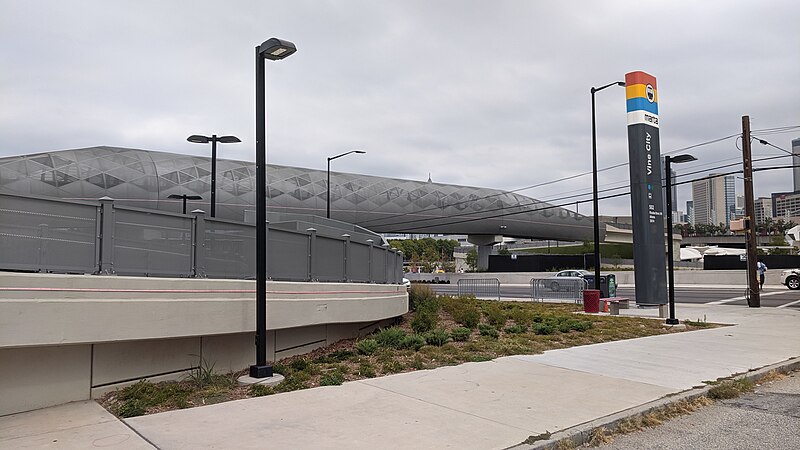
358 262
479 287
287 255
230 250
329 259
562 288
152 244
378 265
45 235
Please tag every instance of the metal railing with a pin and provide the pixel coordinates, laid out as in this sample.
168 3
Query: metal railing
479 287
52 235
561 288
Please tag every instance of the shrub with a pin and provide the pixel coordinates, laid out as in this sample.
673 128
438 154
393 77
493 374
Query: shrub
437 337
367 346
730 389
413 342
496 315
392 367
488 330
424 320
293 382
460 334
515 329
260 390
333 378
300 364
582 325
366 370
543 328
390 337
418 294
522 317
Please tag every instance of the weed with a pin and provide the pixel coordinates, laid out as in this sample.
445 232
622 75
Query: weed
366 369
413 342
599 436
392 367
390 337
420 294
488 330
496 315
203 374
460 334
772 375
260 390
437 337
516 329
730 389
367 346
333 378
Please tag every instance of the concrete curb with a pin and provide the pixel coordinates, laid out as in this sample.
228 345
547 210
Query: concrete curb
581 434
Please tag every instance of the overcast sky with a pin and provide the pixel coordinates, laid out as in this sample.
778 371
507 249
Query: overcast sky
485 93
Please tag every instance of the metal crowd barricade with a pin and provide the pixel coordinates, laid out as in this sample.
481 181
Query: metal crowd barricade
479 287
561 288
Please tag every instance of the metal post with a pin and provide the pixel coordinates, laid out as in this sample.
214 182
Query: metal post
106 236
328 203
213 175
670 264
346 256
312 244
594 200
749 203
261 369
370 242
199 244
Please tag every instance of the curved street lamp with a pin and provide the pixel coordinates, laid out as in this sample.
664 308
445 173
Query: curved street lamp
184 197
328 210
594 187
200 139
669 160
273 49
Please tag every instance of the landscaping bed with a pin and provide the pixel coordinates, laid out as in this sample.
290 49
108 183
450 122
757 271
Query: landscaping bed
438 331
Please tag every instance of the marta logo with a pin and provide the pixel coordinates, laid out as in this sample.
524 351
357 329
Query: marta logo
651 93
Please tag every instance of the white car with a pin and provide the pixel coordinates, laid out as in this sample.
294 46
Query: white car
567 278
791 278
407 283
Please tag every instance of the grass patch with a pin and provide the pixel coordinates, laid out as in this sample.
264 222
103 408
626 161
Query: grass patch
504 329
731 389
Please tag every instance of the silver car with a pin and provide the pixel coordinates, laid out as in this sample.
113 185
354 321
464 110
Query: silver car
791 278
566 278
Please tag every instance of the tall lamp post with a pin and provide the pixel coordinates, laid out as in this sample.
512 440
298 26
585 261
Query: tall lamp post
328 210
184 197
594 187
668 160
200 139
273 49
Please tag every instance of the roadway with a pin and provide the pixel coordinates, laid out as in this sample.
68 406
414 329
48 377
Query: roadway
771 297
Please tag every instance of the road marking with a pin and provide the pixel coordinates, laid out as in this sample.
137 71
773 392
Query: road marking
789 304
736 299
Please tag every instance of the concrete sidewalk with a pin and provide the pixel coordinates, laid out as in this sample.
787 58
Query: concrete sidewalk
494 404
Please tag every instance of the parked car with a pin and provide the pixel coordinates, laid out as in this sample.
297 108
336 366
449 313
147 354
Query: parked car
407 283
791 279
553 282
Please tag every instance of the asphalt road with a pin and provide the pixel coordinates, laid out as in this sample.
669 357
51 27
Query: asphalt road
768 418
771 297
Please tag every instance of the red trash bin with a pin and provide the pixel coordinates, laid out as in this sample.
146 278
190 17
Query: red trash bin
591 300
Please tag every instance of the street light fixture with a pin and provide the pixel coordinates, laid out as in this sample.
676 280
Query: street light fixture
328 210
200 139
594 187
273 49
668 160
184 197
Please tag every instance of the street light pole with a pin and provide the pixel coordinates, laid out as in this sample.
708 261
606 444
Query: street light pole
200 139
184 197
668 160
594 187
328 209
272 49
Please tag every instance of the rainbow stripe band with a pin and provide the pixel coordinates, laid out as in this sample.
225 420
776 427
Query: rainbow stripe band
642 98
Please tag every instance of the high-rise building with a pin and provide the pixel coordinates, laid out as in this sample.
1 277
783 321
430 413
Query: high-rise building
796 163
785 204
714 200
763 208
690 212
673 185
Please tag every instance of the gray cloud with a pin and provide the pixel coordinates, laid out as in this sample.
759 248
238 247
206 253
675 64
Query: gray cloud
492 94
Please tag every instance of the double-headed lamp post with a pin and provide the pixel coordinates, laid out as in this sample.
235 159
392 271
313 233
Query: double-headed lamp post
273 49
668 160
328 209
594 187
184 197
200 139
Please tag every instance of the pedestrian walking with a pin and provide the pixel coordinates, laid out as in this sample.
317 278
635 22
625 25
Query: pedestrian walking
762 270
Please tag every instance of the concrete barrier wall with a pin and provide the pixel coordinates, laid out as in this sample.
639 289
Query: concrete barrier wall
67 338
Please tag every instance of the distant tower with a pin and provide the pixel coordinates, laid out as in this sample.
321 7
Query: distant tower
796 163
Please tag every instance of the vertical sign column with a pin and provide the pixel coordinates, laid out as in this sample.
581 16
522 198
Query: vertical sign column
647 203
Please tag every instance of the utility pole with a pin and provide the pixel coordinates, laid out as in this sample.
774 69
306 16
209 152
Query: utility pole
754 299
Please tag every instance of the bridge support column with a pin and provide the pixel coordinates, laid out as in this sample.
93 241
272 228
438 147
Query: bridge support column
484 243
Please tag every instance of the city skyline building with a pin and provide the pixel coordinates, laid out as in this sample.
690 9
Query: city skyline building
714 200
